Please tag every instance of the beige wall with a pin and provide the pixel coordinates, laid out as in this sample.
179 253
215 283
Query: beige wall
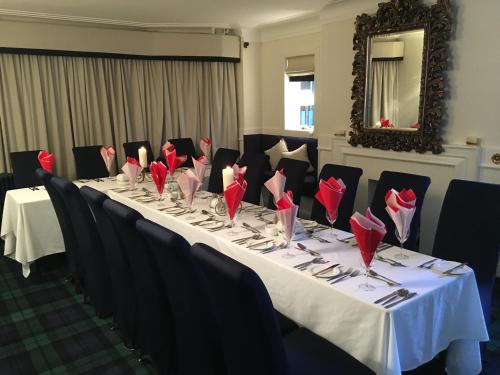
98 39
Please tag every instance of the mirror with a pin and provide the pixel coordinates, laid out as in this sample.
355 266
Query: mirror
394 71
400 63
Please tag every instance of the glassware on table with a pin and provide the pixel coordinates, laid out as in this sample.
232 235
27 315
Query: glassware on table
402 240
331 222
133 183
366 262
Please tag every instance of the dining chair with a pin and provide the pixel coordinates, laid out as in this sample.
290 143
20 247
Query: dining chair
198 342
255 163
156 332
93 259
295 172
250 332
131 149
350 176
89 162
398 181
223 158
468 231
122 282
183 146
24 164
64 220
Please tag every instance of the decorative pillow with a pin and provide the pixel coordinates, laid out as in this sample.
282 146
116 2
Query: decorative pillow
275 152
299 154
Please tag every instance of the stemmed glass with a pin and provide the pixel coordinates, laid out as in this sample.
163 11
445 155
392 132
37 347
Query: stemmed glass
132 182
402 240
331 221
366 261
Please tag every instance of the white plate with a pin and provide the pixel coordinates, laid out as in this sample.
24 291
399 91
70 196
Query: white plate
265 246
443 265
172 209
326 274
213 225
309 224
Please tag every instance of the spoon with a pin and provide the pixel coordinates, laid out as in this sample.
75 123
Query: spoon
241 241
303 248
401 293
352 274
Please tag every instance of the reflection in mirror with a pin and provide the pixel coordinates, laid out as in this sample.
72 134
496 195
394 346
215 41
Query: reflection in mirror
394 70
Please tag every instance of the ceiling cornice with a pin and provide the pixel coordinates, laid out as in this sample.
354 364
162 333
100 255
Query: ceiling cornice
344 10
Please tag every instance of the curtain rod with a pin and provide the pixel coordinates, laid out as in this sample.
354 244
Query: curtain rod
106 55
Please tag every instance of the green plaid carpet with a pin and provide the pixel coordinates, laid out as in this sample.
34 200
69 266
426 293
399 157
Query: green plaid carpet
45 328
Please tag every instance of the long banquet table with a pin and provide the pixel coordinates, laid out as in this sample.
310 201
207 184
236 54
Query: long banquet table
445 314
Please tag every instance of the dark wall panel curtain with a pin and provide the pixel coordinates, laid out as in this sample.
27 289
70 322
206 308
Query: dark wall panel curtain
57 102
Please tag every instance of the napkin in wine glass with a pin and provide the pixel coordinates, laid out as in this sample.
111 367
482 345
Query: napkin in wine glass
368 231
46 160
287 214
173 161
168 146
330 193
239 172
206 146
188 183
108 155
401 207
276 184
233 195
132 168
158 172
200 165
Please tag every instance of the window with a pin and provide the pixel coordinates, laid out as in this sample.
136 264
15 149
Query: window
299 93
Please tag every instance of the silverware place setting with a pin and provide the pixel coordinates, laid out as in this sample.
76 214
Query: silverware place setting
303 266
375 275
390 261
395 298
305 249
354 273
428 264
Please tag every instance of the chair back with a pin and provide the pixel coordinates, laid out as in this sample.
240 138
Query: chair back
125 311
195 325
69 238
93 259
223 157
295 172
468 231
398 181
250 331
131 149
184 146
255 163
350 176
89 162
24 164
155 322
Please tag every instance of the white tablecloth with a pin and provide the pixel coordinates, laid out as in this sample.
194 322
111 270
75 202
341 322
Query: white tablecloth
446 313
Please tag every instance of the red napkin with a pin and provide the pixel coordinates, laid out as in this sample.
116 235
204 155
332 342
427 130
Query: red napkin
159 174
200 165
132 168
188 183
239 172
369 231
205 146
401 208
287 214
276 184
46 160
415 125
108 155
173 161
330 194
233 196
168 146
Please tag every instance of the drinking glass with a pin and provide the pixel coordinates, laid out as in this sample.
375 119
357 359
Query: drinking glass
366 261
331 221
402 240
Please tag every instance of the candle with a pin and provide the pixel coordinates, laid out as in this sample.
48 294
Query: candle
143 157
227 177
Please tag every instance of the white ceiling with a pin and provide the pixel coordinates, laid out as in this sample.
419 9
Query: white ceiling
188 13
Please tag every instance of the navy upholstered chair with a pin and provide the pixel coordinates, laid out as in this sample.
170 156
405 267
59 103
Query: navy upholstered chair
198 343
295 172
468 231
89 162
250 334
90 249
255 163
24 164
131 150
69 238
223 157
183 146
155 322
398 181
125 311
350 176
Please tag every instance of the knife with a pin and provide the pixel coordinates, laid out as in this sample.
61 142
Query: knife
411 295
387 296
325 269
455 268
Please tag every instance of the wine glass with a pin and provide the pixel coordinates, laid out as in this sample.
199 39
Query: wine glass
132 182
331 221
402 240
366 261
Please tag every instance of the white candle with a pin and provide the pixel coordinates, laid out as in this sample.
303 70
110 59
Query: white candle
143 157
227 177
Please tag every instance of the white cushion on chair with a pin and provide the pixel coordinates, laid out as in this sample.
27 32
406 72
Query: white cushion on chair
299 154
275 152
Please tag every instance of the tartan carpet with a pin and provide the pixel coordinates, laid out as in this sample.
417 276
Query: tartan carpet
45 328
